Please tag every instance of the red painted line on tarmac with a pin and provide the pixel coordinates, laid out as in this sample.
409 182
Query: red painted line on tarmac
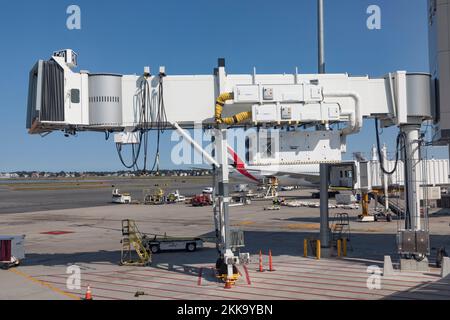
291 279
307 287
279 272
123 291
247 275
321 264
430 285
191 286
327 289
128 285
332 296
319 270
126 271
258 294
338 262
199 282
97 288
302 276
158 289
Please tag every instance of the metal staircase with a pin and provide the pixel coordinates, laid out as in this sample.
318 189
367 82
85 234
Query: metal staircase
341 228
132 242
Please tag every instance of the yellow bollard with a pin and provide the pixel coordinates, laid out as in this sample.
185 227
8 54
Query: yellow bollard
338 245
344 246
305 248
318 250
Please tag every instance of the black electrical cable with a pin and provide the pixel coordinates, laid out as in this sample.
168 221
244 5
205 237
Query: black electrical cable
143 129
161 120
145 125
145 119
400 137
135 155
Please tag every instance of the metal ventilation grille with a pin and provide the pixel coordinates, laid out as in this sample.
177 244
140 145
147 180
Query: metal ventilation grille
52 92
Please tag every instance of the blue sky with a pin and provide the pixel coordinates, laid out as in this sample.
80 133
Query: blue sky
187 36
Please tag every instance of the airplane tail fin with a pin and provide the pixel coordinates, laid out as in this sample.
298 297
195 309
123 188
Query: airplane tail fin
240 165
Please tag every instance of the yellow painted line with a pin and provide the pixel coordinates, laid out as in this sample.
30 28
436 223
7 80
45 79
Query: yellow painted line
307 226
245 223
45 284
372 230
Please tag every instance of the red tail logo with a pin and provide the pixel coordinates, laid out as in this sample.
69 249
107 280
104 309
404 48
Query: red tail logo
240 165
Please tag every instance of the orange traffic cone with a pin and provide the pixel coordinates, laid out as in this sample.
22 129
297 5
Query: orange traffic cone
261 268
270 261
228 284
88 295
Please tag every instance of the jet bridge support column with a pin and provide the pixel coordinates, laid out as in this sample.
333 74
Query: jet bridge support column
324 214
223 189
227 260
412 183
221 211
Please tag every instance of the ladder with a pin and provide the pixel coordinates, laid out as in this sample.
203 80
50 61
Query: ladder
132 240
341 228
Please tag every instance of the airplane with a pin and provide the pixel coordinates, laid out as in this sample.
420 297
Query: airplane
307 176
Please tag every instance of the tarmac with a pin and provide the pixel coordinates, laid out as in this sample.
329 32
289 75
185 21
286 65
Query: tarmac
19 196
91 236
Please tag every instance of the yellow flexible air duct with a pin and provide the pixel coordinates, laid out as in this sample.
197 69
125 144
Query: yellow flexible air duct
238 118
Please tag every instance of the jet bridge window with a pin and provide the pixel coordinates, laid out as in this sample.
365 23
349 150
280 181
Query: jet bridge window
75 95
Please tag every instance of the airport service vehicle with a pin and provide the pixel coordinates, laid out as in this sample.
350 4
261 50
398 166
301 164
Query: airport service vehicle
120 198
155 198
241 188
158 244
175 197
287 188
144 245
12 251
201 200
208 190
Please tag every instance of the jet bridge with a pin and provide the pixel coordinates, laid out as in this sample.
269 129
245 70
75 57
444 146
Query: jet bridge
62 99
332 106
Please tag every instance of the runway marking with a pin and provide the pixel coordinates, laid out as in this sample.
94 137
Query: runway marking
302 226
323 277
406 277
351 275
200 271
243 292
153 288
247 275
117 290
245 223
57 233
288 274
190 286
45 284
